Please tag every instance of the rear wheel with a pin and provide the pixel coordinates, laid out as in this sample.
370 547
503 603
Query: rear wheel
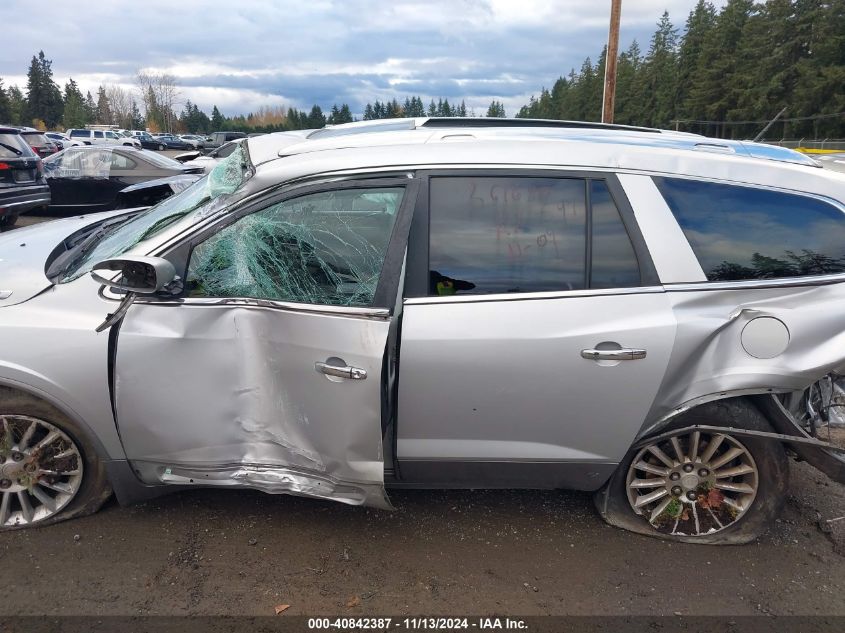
701 487
161 148
48 470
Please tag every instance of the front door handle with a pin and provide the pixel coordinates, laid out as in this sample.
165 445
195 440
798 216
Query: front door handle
613 354
354 373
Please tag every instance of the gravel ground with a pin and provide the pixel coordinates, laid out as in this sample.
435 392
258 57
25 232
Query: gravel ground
513 552
507 552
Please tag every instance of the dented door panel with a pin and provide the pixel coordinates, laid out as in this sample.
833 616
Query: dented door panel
229 395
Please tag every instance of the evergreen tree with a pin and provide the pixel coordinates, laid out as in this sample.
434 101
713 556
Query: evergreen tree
496 109
217 120
700 22
90 107
5 107
316 119
104 115
75 112
660 68
43 97
17 105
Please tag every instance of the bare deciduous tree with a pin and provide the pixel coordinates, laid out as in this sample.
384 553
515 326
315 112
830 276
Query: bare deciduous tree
160 96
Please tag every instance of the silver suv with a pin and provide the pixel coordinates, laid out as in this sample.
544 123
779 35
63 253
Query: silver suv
435 303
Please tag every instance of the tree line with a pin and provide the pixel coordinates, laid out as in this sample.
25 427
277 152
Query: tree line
726 75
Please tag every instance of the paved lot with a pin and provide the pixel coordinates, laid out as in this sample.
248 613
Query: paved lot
506 552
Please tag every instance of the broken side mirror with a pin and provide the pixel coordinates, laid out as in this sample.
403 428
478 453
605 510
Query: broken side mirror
142 275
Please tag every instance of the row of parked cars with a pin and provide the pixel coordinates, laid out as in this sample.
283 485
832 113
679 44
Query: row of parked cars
56 141
82 178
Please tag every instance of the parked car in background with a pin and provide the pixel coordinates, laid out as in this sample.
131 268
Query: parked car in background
101 137
194 140
209 161
216 139
61 140
88 178
22 184
39 142
148 141
602 308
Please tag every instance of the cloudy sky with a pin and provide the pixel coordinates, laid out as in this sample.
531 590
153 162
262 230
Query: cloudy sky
242 54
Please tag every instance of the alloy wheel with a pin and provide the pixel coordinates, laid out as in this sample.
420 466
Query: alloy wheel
692 484
40 470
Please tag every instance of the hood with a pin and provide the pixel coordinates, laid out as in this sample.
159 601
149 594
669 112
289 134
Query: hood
23 253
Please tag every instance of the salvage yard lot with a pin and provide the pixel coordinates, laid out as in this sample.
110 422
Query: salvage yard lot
515 552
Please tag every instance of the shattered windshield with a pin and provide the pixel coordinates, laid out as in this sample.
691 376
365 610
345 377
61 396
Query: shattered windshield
203 198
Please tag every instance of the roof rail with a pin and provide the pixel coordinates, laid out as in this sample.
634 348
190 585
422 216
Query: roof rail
482 122
393 125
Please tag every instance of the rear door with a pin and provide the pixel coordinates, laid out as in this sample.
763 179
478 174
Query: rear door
268 372
534 336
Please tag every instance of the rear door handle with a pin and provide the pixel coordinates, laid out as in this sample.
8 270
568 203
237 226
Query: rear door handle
613 354
354 373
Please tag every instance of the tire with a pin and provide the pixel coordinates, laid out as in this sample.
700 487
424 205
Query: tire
8 222
770 482
90 491
161 148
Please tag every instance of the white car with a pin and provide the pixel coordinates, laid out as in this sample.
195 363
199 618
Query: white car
101 137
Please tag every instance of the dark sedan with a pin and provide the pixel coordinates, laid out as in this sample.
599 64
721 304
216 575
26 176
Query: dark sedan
173 142
88 178
22 185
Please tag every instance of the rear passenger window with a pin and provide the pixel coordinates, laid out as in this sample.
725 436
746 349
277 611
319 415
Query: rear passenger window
741 233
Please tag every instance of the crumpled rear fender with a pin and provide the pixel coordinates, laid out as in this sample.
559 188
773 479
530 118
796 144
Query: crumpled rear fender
827 458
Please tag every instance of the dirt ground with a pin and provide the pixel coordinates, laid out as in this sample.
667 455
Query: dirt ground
511 552
210 552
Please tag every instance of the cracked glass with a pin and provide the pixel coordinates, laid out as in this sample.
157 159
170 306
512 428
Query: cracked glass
203 198
325 248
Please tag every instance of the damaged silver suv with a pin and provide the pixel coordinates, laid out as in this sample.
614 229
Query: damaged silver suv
435 303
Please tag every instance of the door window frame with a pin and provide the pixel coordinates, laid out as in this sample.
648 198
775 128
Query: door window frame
417 276
384 299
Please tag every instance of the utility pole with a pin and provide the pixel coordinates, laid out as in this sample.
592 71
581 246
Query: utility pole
609 96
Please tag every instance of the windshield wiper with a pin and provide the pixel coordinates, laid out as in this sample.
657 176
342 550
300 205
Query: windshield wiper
70 257
16 151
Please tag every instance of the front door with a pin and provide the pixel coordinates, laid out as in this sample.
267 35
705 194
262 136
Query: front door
535 335
267 373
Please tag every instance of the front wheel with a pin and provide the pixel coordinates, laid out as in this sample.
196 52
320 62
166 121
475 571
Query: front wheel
161 148
48 471
701 487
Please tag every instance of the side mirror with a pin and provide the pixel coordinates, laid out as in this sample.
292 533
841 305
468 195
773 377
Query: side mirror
144 275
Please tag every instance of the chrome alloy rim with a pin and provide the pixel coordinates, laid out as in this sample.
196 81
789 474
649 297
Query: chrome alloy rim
693 484
40 470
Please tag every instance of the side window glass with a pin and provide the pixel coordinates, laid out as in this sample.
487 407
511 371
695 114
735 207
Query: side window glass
742 233
98 134
614 262
121 162
325 248
506 235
